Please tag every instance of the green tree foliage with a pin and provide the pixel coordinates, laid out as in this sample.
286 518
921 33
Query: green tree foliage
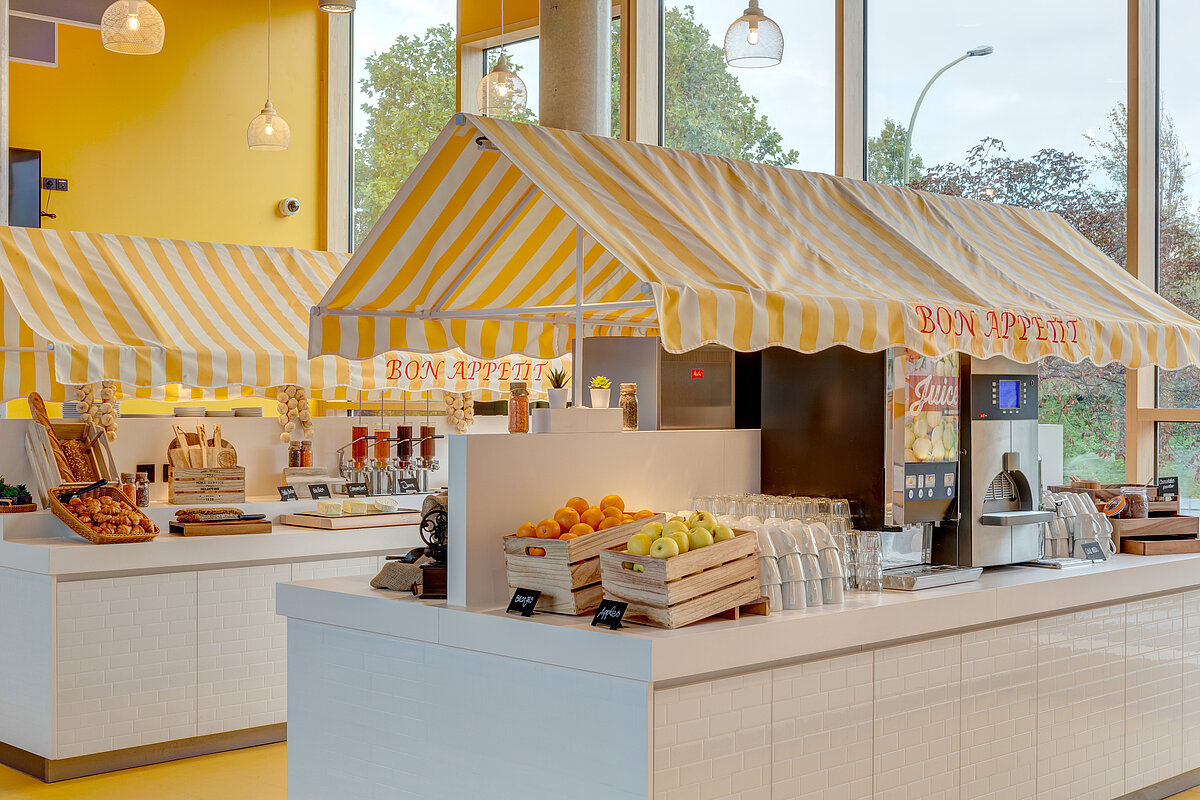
885 156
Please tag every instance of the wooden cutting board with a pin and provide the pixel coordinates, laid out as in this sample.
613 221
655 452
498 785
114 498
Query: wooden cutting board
380 519
225 528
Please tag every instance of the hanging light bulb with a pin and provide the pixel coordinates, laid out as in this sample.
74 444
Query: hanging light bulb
268 131
753 40
133 27
336 6
501 92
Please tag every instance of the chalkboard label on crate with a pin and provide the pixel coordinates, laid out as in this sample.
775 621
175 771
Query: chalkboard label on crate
287 492
1092 551
523 602
1168 487
409 486
356 489
610 613
318 491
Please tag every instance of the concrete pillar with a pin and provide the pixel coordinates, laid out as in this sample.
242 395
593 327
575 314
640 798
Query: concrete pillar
576 65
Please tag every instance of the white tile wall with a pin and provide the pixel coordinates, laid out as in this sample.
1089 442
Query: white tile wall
822 729
1191 681
999 713
26 647
713 739
917 718
337 568
1081 705
241 649
126 662
1153 691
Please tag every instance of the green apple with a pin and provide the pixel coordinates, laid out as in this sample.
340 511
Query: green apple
676 519
664 548
638 568
652 529
675 526
702 519
722 533
639 544
699 537
681 539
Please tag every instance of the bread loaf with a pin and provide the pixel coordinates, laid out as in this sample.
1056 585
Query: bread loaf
207 514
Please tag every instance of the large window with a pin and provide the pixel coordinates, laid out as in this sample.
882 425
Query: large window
404 93
1039 122
782 115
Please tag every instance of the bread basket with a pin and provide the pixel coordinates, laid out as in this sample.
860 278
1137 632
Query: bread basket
88 532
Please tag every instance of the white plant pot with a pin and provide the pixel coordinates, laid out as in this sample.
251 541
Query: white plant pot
600 397
559 397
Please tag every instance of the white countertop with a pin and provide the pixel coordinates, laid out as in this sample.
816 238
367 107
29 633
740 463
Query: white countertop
41 543
651 654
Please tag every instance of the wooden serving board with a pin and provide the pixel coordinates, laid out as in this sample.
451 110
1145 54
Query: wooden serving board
18 508
378 519
225 528
1167 545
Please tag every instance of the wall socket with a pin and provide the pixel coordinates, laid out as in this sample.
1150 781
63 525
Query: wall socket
54 184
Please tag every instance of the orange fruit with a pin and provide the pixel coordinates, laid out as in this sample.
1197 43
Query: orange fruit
577 503
609 522
626 518
548 529
613 511
526 529
643 514
568 535
613 500
566 517
580 529
536 551
592 516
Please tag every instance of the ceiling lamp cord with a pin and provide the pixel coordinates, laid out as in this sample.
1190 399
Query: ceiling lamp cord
268 130
501 92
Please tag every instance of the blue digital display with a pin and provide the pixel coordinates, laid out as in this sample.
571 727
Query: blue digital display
1009 395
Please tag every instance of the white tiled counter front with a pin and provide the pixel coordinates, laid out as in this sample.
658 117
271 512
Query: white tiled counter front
979 696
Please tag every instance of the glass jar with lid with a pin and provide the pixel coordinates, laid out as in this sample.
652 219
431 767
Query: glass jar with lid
1137 502
141 486
129 486
518 407
629 407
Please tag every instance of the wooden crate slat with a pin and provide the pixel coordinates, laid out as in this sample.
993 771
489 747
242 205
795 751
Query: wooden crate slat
724 600
206 485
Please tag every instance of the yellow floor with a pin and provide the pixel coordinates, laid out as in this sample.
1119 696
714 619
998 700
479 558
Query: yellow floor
256 773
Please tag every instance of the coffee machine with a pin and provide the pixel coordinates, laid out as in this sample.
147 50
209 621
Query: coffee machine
998 515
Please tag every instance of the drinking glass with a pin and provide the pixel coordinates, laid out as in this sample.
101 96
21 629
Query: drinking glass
869 562
822 509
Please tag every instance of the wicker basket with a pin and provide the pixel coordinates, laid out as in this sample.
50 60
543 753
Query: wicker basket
86 531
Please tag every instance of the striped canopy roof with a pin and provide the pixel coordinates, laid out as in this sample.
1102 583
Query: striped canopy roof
479 251
174 319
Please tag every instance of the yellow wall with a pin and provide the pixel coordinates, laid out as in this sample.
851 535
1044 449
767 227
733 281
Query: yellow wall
156 145
476 17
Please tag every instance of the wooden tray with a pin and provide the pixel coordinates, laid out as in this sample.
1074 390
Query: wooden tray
568 575
378 519
689 587
1160 546
225 528
1152 527
18 508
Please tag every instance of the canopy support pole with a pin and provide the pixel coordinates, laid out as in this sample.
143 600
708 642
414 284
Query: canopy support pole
577 361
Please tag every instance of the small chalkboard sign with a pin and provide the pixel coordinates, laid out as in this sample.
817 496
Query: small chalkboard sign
318 491
1168 487
610 613
1092 551
356 490
409 485
287 492
523 602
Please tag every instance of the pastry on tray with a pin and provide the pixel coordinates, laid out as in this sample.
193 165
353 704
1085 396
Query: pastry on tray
209 514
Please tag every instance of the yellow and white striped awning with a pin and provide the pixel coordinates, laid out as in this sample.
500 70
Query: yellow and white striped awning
479 251
174 319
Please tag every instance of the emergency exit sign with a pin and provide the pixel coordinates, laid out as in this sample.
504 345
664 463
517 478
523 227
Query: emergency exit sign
698 372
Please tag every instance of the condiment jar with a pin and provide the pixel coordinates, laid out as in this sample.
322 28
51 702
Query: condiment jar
518 407
141 484
1137 502
306 458
294 457
129 486
629 407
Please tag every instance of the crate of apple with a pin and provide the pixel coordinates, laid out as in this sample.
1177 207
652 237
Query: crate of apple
677 535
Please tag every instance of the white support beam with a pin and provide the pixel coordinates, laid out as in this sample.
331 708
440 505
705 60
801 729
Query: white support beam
850 89
338 135
577 354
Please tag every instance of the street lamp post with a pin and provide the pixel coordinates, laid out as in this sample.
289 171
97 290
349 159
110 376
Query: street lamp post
983 50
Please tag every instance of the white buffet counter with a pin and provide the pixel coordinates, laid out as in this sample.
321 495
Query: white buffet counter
1076 684
116 655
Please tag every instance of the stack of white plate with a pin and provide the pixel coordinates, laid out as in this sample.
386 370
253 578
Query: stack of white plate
189 411
248 411
214 413
70 411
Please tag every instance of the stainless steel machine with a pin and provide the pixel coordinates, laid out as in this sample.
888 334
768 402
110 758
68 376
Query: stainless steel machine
998 515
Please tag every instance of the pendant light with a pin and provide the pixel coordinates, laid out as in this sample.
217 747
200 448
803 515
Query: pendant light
336 6
133 27
268 131
753 40
501 92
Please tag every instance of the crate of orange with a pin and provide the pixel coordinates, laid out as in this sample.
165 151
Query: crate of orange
560 555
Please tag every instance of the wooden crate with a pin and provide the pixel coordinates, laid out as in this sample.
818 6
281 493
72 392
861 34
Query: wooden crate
46 473
206 486
1151 527
689 587
568 575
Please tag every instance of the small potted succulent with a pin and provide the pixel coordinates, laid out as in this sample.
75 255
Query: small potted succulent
558 391
601 391
14 495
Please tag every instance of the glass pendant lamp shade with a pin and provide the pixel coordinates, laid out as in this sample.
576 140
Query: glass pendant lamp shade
133 27
501 92
268 131
336 6
753 40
